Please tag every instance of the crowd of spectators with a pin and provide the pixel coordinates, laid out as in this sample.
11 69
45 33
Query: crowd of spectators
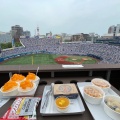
108 53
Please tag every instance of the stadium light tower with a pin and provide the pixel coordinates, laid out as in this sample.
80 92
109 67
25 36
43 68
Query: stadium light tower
38 34
35 32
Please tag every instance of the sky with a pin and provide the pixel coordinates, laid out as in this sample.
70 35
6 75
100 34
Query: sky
60 16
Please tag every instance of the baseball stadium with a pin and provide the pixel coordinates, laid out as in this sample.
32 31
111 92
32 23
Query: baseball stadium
53 51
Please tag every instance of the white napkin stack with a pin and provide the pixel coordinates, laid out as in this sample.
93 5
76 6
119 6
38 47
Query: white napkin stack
72 66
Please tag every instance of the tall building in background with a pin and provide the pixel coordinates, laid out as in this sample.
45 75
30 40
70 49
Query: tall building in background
5 37
112 37
26 33
112 29
115 30
16 31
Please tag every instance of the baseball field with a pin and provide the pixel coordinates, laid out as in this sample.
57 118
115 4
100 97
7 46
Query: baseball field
45 59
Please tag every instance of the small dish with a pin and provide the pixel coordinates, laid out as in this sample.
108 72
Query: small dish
62 103
93 94
112 106
103 84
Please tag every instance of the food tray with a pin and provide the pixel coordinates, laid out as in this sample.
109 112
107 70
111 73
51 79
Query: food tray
19 95
76 106
97 111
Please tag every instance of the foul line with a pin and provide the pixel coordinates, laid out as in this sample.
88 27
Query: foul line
32 60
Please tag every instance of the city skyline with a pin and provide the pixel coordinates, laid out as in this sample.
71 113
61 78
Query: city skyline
69 16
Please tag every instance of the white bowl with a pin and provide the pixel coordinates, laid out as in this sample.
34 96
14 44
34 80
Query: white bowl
105 89
28 91
12 92
109 111
62 109
91 99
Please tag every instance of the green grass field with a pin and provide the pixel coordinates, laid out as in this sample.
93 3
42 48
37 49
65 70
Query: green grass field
45 59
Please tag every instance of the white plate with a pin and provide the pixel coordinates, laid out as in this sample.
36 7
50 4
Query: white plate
19 95
76 106
97 111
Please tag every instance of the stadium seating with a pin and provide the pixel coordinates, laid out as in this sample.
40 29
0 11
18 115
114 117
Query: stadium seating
106 53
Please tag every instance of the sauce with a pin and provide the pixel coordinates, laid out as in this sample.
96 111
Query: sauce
62 102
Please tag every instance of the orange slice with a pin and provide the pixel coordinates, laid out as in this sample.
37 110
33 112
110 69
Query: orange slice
26 84
17 77
31 76
9 86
